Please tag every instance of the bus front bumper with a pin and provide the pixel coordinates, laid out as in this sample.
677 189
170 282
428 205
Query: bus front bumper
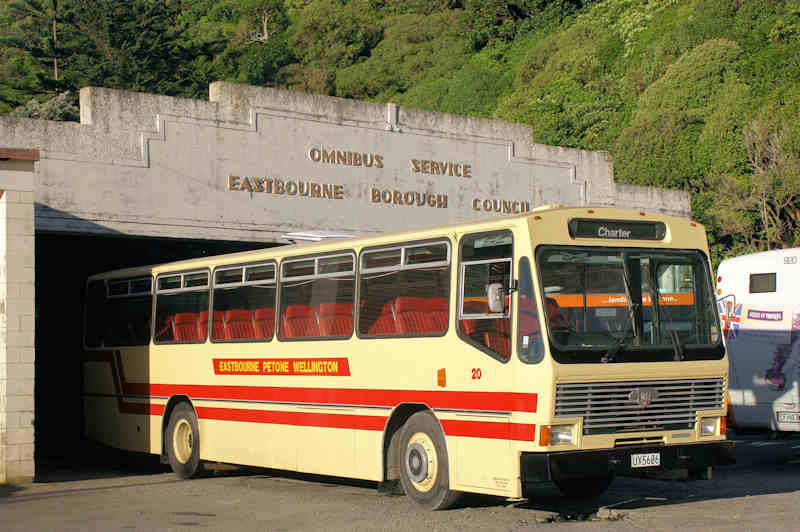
543 467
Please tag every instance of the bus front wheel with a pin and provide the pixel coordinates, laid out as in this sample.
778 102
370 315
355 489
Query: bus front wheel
183 442
424 467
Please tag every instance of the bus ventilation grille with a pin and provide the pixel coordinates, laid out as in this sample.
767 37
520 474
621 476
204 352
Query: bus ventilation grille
629 442
640 406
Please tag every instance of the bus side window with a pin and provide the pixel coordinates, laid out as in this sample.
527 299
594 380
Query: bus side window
529 339
485 263
181 301
405 290
317 296
118 312
244 304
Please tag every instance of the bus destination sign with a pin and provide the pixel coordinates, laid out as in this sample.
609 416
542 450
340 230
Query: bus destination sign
616 229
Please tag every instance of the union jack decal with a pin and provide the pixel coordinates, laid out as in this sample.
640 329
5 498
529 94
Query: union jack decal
731 316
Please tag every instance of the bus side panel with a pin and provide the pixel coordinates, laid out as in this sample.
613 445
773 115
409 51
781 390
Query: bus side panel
110 417
482 465
319 450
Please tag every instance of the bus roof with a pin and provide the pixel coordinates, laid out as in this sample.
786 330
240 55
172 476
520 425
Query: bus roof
310 247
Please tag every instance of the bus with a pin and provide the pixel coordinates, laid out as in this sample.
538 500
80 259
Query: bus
565 346
761 325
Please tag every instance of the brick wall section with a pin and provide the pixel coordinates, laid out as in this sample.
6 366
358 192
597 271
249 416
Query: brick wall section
16 321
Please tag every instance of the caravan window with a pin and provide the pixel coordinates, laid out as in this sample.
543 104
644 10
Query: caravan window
761 283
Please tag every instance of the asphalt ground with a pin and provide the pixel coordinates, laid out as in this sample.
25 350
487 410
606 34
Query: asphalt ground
124 492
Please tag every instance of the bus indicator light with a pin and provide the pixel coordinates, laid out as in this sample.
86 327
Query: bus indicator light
544 436
441 377
723 425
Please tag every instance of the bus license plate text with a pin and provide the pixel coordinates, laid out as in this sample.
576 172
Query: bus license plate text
788 417
646 460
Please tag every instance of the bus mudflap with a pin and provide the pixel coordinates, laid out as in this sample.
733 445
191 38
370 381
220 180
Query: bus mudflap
623 461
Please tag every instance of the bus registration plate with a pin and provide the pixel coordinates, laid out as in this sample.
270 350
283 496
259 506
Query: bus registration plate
645 460
788 417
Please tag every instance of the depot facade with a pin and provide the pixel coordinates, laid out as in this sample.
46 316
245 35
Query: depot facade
247 166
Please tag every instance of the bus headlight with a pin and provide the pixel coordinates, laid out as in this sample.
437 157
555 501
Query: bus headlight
708 426
556 435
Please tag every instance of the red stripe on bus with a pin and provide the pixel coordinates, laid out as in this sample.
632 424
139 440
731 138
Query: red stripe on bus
491 401
481 401
489 429
303 419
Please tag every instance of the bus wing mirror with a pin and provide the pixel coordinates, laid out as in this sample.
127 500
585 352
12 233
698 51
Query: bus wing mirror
496 297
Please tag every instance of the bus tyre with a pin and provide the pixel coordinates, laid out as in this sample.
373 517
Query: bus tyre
424 468
183 442
584 488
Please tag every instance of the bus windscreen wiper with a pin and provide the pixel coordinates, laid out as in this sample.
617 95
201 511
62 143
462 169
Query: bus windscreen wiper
626 277
676 342
611 355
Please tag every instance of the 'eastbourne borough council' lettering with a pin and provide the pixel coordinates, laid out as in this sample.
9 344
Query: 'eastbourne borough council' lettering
287 187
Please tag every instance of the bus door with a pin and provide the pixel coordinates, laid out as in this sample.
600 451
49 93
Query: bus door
484 310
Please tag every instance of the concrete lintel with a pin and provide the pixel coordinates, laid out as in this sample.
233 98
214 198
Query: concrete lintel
19 154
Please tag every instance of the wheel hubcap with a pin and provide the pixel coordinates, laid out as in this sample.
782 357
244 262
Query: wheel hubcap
183 441
421 462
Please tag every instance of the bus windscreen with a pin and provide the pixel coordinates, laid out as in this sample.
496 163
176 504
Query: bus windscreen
620 305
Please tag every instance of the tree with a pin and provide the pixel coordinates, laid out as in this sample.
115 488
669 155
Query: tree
61 107
761 210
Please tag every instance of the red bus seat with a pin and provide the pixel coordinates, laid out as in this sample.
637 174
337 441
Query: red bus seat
164 331
264 322
498 342
335 319
184 327
299 321
385 323
238 324
217 329
436 314
469 326
409 315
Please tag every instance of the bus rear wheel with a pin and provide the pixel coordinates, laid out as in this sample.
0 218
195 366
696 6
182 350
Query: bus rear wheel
584 488
424 467
183 442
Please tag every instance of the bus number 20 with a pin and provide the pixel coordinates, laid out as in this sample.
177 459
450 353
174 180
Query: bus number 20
476 373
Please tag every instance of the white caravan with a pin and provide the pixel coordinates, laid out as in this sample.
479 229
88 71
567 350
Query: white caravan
760 311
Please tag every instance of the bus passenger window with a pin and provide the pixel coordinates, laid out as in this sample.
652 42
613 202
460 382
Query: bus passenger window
244 303
405 290
486 261
317 296
181 307
129 306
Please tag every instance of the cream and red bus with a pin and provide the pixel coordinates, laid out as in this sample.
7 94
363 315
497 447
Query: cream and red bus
566 345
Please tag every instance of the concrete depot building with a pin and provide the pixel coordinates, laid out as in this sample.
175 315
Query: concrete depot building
146 179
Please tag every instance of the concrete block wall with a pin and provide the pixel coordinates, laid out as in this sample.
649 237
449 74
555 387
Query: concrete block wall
16 322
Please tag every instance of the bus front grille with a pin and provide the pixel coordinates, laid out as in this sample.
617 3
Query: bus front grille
641 406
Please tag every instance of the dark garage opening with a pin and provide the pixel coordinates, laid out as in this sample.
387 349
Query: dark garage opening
63 262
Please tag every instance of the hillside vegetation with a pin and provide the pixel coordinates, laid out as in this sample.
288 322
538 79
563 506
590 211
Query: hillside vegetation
701 95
